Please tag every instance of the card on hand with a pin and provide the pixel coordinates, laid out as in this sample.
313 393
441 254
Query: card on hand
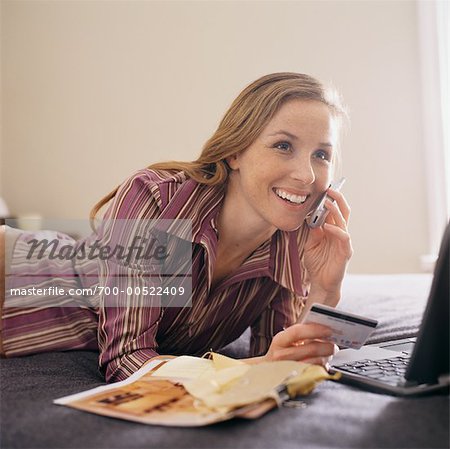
349 330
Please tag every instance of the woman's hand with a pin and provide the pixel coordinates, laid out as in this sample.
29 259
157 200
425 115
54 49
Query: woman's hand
327 252
302 342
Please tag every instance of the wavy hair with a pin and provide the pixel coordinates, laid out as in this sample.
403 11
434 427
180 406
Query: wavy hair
243 122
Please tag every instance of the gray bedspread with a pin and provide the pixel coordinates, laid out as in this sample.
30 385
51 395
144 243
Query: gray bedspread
333 416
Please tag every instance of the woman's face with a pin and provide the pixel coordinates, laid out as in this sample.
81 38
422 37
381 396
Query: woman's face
278 178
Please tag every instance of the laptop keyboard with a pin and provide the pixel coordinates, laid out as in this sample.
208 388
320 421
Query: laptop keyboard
391 370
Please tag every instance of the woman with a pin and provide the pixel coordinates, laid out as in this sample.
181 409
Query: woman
254 260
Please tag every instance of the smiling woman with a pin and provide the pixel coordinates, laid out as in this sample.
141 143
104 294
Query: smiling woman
275 182
254 260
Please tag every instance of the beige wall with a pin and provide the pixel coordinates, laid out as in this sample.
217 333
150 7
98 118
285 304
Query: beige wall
1 98
93 90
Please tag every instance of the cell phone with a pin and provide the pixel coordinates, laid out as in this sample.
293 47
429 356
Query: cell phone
317 217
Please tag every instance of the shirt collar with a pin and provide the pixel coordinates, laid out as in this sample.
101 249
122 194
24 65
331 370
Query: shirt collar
195 204
198 205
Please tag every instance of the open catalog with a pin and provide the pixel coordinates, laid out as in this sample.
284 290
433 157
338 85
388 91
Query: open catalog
192 391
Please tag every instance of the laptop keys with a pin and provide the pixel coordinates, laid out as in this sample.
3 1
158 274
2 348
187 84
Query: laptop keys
391 370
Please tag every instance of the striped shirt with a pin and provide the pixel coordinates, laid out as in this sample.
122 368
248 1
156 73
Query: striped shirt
267 292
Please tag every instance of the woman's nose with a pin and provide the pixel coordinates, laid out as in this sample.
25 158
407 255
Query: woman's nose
303 172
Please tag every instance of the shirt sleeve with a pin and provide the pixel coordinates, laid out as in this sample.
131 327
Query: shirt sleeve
40 312
283 311
128 321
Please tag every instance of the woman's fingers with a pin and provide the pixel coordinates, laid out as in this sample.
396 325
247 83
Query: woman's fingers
313 350
299 332
302 341
335 214
336 223
342 236
342 204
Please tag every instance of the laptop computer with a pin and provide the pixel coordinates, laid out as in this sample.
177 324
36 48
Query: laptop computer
410 366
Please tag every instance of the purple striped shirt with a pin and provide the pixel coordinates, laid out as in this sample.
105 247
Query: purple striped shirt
266 292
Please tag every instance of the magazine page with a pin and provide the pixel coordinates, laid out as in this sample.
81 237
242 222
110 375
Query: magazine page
150 399
191 391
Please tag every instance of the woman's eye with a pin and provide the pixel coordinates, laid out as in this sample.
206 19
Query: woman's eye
323 155
284 146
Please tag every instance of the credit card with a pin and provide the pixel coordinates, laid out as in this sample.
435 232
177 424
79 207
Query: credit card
349 330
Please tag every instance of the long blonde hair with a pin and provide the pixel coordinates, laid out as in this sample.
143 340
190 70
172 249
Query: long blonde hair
243 122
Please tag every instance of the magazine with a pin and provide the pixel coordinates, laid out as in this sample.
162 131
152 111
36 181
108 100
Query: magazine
192 391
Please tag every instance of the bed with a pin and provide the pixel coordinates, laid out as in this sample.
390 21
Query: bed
333 416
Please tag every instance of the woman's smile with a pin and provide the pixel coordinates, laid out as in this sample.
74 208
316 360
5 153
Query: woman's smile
275 182
291 198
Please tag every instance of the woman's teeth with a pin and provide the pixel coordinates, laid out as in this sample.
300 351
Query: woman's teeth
296 199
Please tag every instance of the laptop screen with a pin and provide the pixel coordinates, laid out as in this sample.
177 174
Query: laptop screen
430 358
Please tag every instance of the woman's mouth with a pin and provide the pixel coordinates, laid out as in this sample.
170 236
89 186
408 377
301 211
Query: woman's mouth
290 198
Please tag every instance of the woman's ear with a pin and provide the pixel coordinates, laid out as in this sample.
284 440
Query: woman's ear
233 161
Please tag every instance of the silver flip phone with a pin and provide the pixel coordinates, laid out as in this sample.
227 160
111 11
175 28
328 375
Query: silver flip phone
317 217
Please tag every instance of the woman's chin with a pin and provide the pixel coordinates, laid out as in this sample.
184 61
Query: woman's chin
289 227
